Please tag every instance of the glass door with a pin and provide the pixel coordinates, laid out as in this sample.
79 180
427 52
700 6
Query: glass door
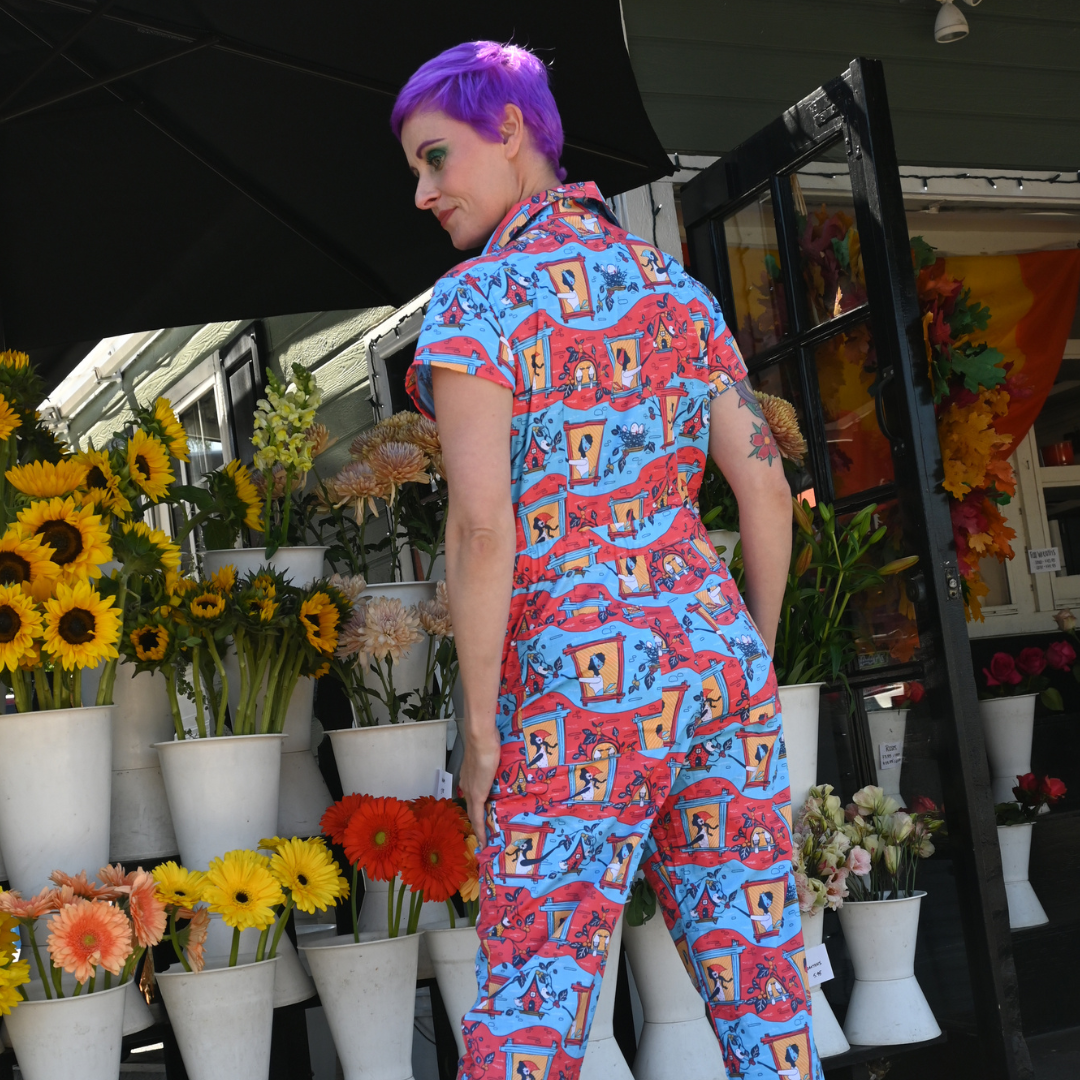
820 294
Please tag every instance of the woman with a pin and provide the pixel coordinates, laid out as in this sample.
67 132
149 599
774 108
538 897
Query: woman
624 687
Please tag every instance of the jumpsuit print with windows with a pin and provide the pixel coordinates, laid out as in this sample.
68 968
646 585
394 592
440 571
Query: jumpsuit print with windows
638 707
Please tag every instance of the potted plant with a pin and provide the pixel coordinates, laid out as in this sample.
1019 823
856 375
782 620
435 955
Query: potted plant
1034 795
70 1020
814 641
1007 706
367 978
880 919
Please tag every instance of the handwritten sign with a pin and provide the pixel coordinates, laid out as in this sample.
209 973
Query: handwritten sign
1044 560
890 755
818 968
444 785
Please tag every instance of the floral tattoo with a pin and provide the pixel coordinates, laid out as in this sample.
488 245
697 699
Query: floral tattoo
763 444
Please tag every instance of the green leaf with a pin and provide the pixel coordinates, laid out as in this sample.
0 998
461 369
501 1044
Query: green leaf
642 904
197 496
979 368
922 252
1051 698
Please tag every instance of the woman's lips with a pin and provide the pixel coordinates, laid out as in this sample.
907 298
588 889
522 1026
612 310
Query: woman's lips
444 217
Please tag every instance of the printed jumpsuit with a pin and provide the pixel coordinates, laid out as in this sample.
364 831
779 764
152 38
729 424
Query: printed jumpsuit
638 709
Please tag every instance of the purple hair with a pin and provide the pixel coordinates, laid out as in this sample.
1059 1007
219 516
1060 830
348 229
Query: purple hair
474 82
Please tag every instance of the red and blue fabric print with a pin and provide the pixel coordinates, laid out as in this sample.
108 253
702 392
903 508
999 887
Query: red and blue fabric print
638 709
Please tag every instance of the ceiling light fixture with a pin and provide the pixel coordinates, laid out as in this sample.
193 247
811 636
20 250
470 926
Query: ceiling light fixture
950 24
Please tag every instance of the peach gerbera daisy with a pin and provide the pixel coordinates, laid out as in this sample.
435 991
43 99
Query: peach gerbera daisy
87 935
196 940
83 886
12 903
116 876
145 909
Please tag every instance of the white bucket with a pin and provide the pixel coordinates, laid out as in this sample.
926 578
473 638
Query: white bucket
399 760
300 565
1008 726
828 1035
800 705
888 728
368 990
223 793
1024 907
603 1058
453 958
222 1019
55 793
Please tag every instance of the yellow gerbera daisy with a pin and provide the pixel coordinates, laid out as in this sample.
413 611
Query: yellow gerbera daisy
319 616
240 888
172 431
151 545
9 419
151 642
178 885
310 874
224 579
148 465
102 486
81 626
26 561
20 623
79 540
44 480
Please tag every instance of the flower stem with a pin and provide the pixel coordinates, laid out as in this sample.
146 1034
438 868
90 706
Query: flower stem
234 952
281 926
224 701
397 916
174 701
261 951
416 905
37 957
200 719
176 944
352 903
453 914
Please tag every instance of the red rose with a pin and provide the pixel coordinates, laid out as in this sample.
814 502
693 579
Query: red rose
1002 671
1032 660
1028 782
914 692
1053 789
1060 655
922 805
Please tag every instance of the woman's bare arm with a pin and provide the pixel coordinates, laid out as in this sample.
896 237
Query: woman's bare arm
736 425
474 418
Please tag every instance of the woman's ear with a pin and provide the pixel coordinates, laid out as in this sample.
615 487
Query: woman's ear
512 131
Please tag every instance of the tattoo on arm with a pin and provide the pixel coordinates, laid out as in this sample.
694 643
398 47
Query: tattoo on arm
763 444
747 398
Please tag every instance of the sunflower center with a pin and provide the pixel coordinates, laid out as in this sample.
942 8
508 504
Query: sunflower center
96 478
14 569
148 638
143 466
302 879
9 624
64 539
241 897
77 626
380 837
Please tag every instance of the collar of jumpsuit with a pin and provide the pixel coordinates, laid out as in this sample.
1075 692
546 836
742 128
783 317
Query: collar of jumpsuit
568 199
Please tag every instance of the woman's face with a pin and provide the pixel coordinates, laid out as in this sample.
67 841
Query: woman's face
468 183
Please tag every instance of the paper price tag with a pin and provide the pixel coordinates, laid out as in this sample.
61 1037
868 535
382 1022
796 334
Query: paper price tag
444 784
818 968
1044 560
890 755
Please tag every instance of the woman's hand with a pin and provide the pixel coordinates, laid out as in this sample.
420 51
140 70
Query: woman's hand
478 768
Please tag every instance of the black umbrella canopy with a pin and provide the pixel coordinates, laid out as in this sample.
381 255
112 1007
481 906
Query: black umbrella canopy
170 162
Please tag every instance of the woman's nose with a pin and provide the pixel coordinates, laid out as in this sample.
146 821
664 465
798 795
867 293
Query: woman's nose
427 194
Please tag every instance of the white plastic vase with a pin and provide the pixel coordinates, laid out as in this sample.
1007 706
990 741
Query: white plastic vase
141 827
887 1006
137 1014
70 1036
1024 907
368 990
292 983
800 705
399 760
888 727
372 919
603 1058
828 1035
55 793
222 1019
1008 726
677 1037
304 796
223 793
300 565
453 959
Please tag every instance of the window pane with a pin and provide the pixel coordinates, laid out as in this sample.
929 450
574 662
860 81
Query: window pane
1063 518
754 260
782 381
859 455
200 421
829 252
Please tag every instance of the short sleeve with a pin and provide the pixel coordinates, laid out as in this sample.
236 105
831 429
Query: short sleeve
460 332
726 366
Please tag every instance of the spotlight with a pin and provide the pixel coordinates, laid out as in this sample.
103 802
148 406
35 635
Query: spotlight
950 24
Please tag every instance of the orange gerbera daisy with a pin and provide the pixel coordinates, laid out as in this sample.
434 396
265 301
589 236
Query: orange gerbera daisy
434 860
443 810
470 887
87 935
83 886
335 820
196 938
145 909
375 837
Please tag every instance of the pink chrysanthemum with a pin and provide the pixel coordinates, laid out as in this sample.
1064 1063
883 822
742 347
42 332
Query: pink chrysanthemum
87 935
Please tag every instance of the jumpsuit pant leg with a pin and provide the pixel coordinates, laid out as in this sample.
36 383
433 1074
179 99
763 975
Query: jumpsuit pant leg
719 860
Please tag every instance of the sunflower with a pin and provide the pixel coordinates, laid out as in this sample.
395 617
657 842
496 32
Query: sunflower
319 615
339 815
207 606
79 540
308 871
375 836
223 579
232 487
9 419
81 627
148 465
25 561
434 860
177 885
146 549
88 934
266 607
45 480
150 642
20 623
12 358
102 486
170 429
240 888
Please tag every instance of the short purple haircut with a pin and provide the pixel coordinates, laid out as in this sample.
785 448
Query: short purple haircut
474 82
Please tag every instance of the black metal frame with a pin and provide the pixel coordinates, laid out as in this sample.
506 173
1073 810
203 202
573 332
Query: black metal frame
853 108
